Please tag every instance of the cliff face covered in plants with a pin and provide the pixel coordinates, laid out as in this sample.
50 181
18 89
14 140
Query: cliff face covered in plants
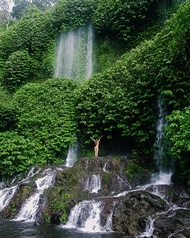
140 57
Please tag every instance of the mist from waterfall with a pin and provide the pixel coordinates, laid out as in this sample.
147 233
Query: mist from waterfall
74 53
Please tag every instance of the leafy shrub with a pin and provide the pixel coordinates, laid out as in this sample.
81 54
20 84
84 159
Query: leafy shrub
16 153
123 17
177 132
17 70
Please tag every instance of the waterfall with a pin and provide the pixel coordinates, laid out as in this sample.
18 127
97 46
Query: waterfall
72 155
149 228
164 175
86 216
89 53
74 54
30 207
105 166
6 195
93 183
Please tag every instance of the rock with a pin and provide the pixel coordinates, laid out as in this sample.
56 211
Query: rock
29 232
2 185
131 212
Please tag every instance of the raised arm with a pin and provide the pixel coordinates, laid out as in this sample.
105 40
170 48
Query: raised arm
92 139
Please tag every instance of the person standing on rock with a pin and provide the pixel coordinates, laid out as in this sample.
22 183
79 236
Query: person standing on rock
96 147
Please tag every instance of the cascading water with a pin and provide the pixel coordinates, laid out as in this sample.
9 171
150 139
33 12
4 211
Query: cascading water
71 155
89 54
74 54
149 229
93 183
6 195
86 216
164 175
30 208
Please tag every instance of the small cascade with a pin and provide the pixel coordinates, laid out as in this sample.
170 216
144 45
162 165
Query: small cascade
86 216
6 195
93 183
74 54
122 182
149 228
30 208
71 155
105 167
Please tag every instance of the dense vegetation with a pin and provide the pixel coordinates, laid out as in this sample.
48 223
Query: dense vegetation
41 117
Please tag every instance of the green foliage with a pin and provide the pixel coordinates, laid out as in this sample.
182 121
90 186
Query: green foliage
46 217
123 98
132 169
16 153
35 35
7 112
46 115
178 131
58 204
63 218
122 17
71 14
17 70
45 127
42 120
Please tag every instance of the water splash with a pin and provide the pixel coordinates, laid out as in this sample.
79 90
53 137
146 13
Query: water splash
161 178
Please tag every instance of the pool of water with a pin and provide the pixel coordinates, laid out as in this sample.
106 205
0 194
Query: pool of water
15 229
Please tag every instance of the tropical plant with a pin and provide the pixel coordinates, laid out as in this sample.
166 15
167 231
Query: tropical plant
177 132
17 70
